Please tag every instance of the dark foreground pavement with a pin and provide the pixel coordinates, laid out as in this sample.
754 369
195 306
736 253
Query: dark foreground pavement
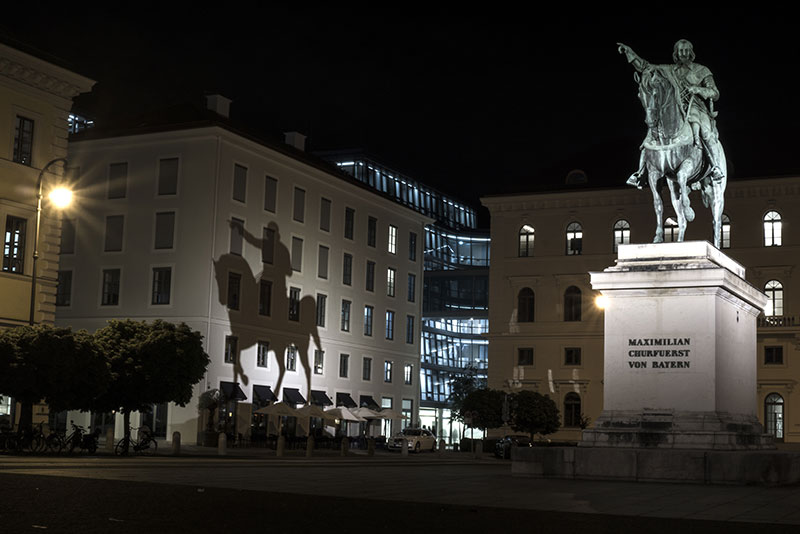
35 503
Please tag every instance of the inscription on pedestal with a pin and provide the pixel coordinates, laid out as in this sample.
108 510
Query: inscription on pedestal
662 356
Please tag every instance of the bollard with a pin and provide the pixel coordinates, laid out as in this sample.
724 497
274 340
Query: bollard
176 443
222 444
280 446
478 448
110 441
371 447
345 446
310 447
404 448
442 447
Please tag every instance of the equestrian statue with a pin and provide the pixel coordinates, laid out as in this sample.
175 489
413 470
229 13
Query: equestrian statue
682 143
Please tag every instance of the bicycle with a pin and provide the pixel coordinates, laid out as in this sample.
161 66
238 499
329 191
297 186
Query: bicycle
146 444
81 439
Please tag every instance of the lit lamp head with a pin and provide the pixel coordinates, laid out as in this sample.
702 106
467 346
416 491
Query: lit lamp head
601 301
61 197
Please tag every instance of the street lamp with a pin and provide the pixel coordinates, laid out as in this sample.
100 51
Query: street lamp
60 197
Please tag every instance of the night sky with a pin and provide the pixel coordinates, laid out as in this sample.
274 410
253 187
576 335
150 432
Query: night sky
471 103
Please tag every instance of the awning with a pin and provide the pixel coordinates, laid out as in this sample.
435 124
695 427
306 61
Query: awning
293 396
368 402
344 399
232 391
263 394
320 398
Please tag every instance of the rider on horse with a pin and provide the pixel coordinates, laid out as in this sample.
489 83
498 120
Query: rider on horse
696 84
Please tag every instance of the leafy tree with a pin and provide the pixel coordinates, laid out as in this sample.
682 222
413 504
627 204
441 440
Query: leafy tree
534 413
150 364
461 385
61 367
484 408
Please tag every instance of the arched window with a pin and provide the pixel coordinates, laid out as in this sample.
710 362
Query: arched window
572 304
525 305
774 291
773 415
574 238
670 230
526 241
772 229
726 231
622 233
572 410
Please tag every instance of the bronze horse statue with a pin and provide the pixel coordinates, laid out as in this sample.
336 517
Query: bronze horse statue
673 151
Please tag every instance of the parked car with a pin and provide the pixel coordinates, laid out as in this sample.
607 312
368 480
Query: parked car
503 447
419 439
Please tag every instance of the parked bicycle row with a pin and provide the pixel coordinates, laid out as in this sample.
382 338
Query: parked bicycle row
34 440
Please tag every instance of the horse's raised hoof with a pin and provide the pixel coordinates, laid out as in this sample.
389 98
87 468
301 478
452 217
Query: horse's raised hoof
688 213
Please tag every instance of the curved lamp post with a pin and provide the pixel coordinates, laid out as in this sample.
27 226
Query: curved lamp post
61 197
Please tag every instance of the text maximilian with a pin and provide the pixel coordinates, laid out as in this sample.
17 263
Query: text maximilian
658 342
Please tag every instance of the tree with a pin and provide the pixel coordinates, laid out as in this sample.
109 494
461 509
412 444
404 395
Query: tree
462 385
150 364
534 413
54 365
484 408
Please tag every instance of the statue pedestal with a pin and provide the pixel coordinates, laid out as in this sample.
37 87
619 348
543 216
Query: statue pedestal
680 351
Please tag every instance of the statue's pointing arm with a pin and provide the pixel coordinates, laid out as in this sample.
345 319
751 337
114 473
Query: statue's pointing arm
638 63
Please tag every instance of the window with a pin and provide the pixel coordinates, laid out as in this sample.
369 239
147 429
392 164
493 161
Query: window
525 356
410 329
262 354
237 236
322 301
64 288
117 180
294 303
270 193
574 239
526 305
347 269
773 355
291 358
622 233
162 282
372 231
349 222
239 183
231 349
412 246
572 356
297 254
345 316
299 213
370 286
268 246
322 262
14 245
110 294
165 230
407 411
726 231
671 230
572 410
368 315
234 290
572 304
412 287
526 234
23 140
392 245
389 324
344 365
114 230
773 415
408 374
366 369
265 297
387 371
390 277
325 215
67 236
774 291
772 229
168 176
319 361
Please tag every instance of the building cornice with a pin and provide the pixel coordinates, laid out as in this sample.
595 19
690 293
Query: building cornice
42 75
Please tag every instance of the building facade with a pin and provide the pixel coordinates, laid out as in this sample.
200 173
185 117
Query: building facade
546 333
35 102
303 282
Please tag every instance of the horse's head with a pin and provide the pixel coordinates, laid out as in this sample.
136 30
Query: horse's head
657 95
